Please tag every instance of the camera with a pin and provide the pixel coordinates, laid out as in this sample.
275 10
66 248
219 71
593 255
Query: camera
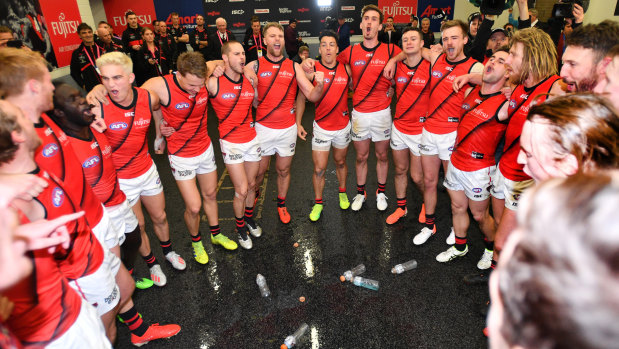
331 23
565 8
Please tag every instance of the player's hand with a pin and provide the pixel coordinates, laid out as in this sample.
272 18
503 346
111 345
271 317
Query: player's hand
20 186
97 96
308 65
159 145
507 92
436 49
579 13
460 82
6 308
301 132
389 70
218 71
136 47
46 233
166 130
99 124
252 77
390 92
319 77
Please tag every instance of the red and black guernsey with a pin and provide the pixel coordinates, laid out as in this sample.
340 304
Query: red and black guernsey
95 155
332 108
445 104
187 115
126 132
479 131
85 254
277 92
367 65
519 105
45 306
56 156
412 89
232 104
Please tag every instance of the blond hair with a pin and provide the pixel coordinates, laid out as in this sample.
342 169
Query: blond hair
17 67
271 25
8 124
539 55
116 58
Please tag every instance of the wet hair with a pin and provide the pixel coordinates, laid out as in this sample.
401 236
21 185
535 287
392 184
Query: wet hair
600 37
17 67
83 26
367 8
8 125
327 33
191 63
271 25
116 58
559 286
539 56
226 47
455 23
584 125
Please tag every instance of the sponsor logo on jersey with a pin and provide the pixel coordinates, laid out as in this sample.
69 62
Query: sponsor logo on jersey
181 106
512 104
402 80
327 80
477 190
437 74
117 126
466 106
50 150
91 162
359 63
57 197
238 87
265 74
141 122
202 100
228 96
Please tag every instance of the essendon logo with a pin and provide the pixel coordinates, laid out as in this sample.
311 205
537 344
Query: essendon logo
181 106
91 162
57 197
261 10
213 13
303 9
347 8
117 126
238 24
50 150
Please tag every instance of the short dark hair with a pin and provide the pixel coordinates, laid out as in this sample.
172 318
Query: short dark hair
456 23
390 17
129 13
409 29
600 37
5 29
83 26
504 48
372 7
328 33
174 14
102 22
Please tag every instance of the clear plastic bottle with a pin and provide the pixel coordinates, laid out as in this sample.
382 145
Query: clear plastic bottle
262 285
367 283
350 274
293 339
400 268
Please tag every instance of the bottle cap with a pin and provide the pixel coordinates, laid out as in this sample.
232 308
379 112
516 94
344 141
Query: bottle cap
283 346
342 278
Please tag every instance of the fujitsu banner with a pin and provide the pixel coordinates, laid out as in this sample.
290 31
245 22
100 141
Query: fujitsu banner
115 11
400 10
62 19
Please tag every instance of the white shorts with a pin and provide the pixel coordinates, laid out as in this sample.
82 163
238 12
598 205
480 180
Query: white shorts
187 168
401 141
475 184
106 233
86 332
99 288
237 153
123 219
281 141
323 139
148 184
508 190
441 145
376 125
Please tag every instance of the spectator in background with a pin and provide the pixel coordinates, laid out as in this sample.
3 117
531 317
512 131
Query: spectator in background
6 35
343 32
178 33
219 38
428 35
115 38
301 55
106 41
389 34
253 43
132 36
609 86
414 22
153 61
83 68
475 20
166 42
291 37
199 37
249 30
509 28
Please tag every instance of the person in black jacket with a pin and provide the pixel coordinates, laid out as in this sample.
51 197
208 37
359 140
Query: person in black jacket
132 36
179 33
428 35
166 42
217 39
107 41
198 38
151 60
83 68
253 44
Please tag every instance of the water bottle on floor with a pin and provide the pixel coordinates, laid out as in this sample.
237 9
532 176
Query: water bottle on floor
367 283
350 274
400 268
293 339
262 285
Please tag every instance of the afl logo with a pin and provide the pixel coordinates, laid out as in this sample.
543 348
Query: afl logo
466 106
228 96
265 74
91 162
116 126
50 150
181 106
57 197
512 104
477 190
437 74
402 80
327 80
359 63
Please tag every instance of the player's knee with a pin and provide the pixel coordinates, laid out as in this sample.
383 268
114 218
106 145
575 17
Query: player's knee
193 209
457 208
417 179
159 217
362 157
319 172
382 156
430 182
479 216
283 172
400 170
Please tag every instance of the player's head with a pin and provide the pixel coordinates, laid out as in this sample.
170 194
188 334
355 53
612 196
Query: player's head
24 74
70 108
569 134
6 35
191 67
163 28
557 279
371 21
328 48
105 35
303 52
495 71
175 18
412 40
85 33
116 75
233 54
454 34
609 86
132 19
199 20
532 55
583 59
273 33
255 26
15 131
